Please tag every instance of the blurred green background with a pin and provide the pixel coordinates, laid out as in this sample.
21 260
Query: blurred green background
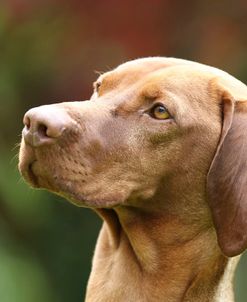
49 51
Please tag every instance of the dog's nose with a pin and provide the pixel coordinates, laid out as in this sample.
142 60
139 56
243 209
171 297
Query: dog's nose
44 125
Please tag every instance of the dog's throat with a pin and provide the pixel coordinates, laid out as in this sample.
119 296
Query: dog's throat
110 217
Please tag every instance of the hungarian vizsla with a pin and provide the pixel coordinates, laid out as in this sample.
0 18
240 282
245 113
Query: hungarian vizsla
160 153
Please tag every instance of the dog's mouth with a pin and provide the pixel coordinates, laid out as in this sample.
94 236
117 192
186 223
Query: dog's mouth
43 176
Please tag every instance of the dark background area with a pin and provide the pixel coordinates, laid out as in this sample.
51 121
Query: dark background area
49 52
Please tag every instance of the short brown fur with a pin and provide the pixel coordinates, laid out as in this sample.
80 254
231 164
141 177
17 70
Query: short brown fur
164 188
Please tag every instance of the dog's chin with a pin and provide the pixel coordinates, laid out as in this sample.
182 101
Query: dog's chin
88 202
81 200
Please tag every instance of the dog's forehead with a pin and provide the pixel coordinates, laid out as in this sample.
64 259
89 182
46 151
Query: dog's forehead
158 69
150 76
139 68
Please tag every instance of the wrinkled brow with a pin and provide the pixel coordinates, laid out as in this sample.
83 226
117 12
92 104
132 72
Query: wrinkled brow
135 100
150 93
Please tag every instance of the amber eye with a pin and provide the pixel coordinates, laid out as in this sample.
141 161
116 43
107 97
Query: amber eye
160 112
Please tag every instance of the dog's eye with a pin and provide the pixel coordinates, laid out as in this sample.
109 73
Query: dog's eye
160 112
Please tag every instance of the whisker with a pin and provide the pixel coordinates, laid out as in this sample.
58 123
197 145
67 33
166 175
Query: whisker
20 180
108 68
17 145
14 158
99 72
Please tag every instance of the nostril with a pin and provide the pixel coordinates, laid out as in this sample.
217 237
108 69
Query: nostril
42 130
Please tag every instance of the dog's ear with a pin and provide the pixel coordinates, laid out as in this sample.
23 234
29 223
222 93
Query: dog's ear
227 179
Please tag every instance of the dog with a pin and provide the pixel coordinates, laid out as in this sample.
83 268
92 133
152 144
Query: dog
160 153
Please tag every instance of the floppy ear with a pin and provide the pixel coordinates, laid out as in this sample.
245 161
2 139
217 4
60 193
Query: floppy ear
227 179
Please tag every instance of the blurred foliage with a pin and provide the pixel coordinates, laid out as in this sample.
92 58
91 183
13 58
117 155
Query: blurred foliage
49 51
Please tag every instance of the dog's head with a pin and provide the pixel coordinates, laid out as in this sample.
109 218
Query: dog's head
157 133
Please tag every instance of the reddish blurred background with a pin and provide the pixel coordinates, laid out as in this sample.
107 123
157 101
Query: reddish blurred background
49 52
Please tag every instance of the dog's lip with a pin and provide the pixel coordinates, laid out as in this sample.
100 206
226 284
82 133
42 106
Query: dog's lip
29 175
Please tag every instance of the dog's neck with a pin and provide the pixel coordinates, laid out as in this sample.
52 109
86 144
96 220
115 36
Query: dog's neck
158 265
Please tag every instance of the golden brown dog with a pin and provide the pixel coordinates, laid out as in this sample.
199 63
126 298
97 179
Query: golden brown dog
160 153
